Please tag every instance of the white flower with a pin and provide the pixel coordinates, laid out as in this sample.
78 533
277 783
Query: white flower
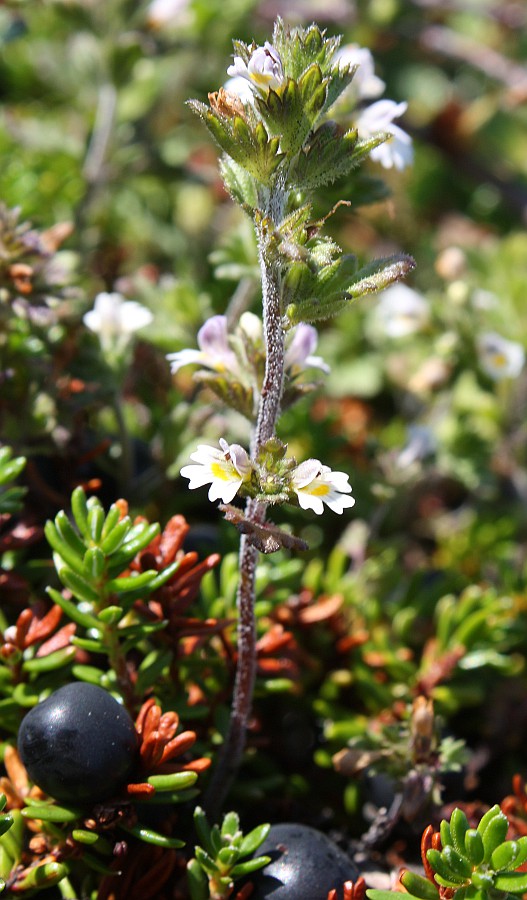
298 354
397 151
401 311
421 443
315 484
263 71
225 470
241 87
214 350
366 83
498 357
115 319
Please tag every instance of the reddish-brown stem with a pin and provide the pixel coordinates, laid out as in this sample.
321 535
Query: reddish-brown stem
268 413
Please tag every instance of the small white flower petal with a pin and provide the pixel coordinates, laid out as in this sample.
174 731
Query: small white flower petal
214 352
251 325
184 358
219 468
298 354
377 118
240 86
366 83
263 71
310 501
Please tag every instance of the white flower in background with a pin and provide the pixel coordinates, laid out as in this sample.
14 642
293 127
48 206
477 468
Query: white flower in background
225 470
397 151
401 311
315 484
168 12
115 319
298 354
263 71
421 443
214 350
498 357
366 84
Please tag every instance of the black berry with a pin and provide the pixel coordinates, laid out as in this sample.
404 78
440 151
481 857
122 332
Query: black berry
79 745
304 863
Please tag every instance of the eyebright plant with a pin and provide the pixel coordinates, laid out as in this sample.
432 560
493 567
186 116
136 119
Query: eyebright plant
279 146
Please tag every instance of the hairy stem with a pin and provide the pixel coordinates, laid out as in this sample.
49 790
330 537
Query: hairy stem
268 413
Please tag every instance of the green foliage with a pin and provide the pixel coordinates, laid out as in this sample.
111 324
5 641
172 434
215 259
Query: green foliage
473 863
219 857
11 496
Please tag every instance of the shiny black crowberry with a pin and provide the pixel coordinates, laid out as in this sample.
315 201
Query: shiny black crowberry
304 864
79 745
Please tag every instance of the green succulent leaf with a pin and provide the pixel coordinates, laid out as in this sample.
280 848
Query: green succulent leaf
494 834
250 842
474 848
511 882
203 830
51 812
230 826
443 872
153 837
111 521
226 857
137 539
482 881
457 864
458 829
68 534
495 810
79 586
6 821
94 564
206 862
419 886
139 582
375 894
66 553
113 539
51 662
111 615
96 519
44 876
509 855
197 881
79 508
76 615
175 781
444 831
249 866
